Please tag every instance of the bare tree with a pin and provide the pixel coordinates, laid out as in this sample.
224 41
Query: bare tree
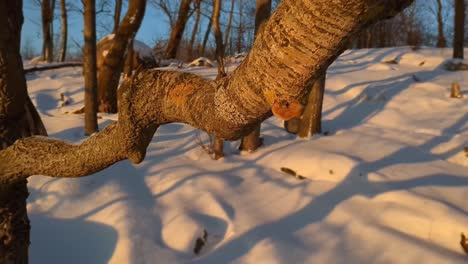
64 37
111 61
218 147
253 141
227 108
117 13
18 119
459 32
47 19
178 30
441 42
229 25
89 67
169 8
197 4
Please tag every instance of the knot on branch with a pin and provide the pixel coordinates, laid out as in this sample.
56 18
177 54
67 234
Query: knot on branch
287 110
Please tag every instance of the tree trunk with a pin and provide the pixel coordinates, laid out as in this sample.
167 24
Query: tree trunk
178 30
441 42
129 60
228 27
272 79
63 49
311 120
47 45
253 141
195 27
218 38
219 143
112 62
240 29
117 12
89 67
18 119
205 39
459 33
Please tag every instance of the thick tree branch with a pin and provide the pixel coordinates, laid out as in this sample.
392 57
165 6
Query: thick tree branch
299 42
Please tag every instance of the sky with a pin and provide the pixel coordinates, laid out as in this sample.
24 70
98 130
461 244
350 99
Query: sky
154 26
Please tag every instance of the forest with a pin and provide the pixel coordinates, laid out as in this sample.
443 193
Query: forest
235 131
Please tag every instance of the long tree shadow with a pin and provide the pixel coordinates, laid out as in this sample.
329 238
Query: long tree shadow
321 206
372 99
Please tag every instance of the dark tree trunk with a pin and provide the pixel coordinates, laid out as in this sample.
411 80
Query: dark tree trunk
195 26
47 45
253 141
441 42
218 38
129 59
112 63
89 67
117 12
229 24
63 50
219 143
205 39
459 33
311 120
178 30
18 119
240 29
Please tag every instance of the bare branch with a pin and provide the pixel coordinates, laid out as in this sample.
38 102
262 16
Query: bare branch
286 58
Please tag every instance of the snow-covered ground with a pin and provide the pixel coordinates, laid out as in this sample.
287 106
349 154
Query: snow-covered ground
387 184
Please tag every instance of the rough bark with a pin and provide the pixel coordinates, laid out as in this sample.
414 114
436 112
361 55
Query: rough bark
178 30
253 141
18 119
441 42
311 120
299 42
459 32
195 26
111 64
117 13
89 68
64 37
47 45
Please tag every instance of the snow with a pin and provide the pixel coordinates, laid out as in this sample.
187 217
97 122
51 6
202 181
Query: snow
143 50
386 184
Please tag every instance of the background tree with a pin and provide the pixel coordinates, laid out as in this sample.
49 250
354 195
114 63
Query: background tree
89 67
64 37
117 13
218 147
252 141
441 42
154 98
18 119
178 30
197 4
111 62
459 30
47 15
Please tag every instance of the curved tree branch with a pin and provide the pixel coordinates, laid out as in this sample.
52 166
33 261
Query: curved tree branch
300 40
